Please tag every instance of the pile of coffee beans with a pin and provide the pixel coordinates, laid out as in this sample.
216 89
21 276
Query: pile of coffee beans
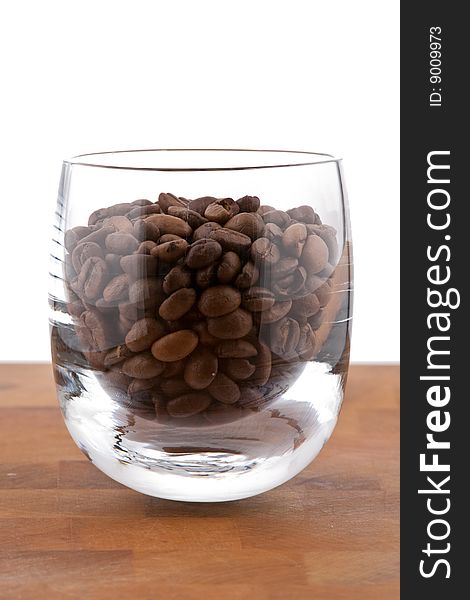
199 307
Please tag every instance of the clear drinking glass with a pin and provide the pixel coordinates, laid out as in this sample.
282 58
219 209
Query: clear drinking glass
200 311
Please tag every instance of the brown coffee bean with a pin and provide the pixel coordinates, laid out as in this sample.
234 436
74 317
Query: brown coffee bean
276 312
120 223
264 252
248 277
199 205
285 267
143 333
141 202
188 405
306 345
113 262
98 215
314 255
93 277
278 217
201 368
304 214
307 306
169 224
167 200
175 346
140 212
313 282
121 243
169 237
94 330
257 299
231 240
316 320
139 266
121 208
224 389
178 304
328 235
265 208
206 277
251 397
202 253
142 366
117 289
249 223
117 355
137 387
219 300
324 293
294 239
283 336
235 325
236 349
144 231
170 252
221 210
237 368
263 364
129 311
73 236
173 368
174 386
178 277
248 204
145 247
229 267
192 218
273 233
146 293
292 285
200 327
83 252
205 230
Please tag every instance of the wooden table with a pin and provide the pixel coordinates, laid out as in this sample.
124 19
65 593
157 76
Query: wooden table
67 531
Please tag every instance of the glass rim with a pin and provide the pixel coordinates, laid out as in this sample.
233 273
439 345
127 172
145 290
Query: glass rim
87 160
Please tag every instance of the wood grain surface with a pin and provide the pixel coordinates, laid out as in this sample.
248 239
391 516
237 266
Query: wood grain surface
67 531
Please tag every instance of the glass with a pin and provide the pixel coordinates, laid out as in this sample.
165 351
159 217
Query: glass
200 311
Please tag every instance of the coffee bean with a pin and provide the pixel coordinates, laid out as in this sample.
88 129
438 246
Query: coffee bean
200 327
205 230
237 368
166 201
257 299
219 300
144 231
202 253
231 326
117 289
174 387
192 218
142 366
199 205
278 217
231 240
306 344
263 365
249 223
314 254
175 346
283 336
273 232
276 312
304 214
140 212
264 252
224 389
139 266
201 369
119 209
173 368
178 304
323 293
141 202
113 262
74 235
94 329
328 235
98 215
170 252
169 237
169 224
229 267
120 224
121 243
188 405
93 277
236 349
178 277
248 276
117 355
84 251
146 292
206 277
143 333
145 247
248 204
294 239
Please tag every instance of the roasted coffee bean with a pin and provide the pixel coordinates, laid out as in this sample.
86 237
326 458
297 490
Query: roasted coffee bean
221 210
265 208
178 304
278 217
263 365
139 266
137 387
174 386
306 306
328 235
276 312
167 200
140 212
93 277
237 368
98 215
306 345
314 254
145 247
273 232
251 224
313 282
201 369
248 204
229 267
120 224
235 349
294 239
219 300
119 209
121 243
292 285
173 368
248 276
303 214
257 299
204 231
188 405
175 346
283 336
73 236
146 292
264 252
169 237
94 329
285 267
316 320
224 389
192 218
83 252
117 289
143 333
235 325
170 252
202 253
142 366
98 236
199 205
251 397
178 277
206 277
117 355
113 262
324 293
141 202
169 224
200 327
231 240
144 231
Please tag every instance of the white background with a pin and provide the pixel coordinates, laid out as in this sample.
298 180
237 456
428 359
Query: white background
96 75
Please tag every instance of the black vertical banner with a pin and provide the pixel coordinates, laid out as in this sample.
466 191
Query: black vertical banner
435 251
